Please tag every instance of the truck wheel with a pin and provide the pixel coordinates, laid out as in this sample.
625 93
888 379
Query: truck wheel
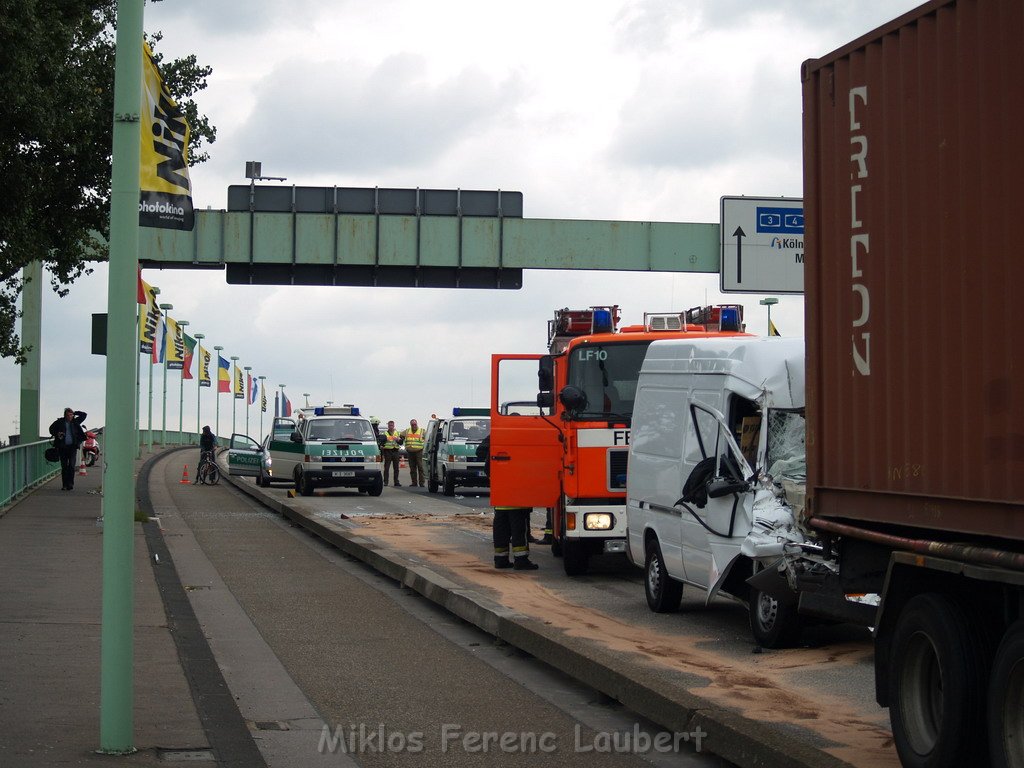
937 675
1006 701
663 592
376 488
449 485
774 624
556 547
575 557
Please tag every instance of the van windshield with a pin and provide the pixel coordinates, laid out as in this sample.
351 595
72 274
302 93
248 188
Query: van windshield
354 430
607 376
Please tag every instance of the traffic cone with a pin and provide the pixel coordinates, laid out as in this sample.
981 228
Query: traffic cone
81 469
184 477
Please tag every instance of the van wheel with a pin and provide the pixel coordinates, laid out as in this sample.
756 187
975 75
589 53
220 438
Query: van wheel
262 480
432 485
302 483
937 675
376 488
575 557
449 485
774 624
663 592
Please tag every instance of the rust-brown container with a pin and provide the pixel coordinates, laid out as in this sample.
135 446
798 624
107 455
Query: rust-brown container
914 214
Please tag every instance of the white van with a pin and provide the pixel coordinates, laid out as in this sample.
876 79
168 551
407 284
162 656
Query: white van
718 424
450 450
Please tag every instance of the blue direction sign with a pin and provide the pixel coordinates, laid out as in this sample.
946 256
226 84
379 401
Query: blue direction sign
762 241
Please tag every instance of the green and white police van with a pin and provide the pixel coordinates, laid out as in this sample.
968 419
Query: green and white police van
449 451
329 447
248 458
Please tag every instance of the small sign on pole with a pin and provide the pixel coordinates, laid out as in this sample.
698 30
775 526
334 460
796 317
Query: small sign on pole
762 245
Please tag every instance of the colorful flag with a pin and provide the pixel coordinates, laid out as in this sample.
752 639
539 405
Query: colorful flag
239 388
223 375
254 386
772 330
175 345
286 405
140 287
263 400
165 198
160 342
204 366
150 324
190 351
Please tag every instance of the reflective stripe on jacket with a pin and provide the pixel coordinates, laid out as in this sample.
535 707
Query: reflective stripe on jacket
413 440
391 440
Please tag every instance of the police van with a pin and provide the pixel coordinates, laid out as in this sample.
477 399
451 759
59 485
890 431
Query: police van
449 452
328 447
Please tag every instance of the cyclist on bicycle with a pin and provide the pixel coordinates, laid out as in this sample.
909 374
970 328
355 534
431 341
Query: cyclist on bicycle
207 442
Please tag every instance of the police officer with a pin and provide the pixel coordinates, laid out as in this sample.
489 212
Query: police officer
412 438
391 438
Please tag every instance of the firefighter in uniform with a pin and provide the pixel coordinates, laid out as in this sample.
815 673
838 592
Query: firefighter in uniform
390 438
412 438
510 526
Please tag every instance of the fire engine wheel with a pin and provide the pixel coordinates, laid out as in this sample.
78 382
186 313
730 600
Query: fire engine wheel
575 557
663 592
449 485
1006 701
556 547
937 676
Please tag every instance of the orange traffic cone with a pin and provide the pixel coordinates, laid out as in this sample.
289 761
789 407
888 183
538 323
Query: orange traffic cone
184 477
81 469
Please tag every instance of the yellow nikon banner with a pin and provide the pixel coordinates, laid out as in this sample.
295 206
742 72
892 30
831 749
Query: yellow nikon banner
165 199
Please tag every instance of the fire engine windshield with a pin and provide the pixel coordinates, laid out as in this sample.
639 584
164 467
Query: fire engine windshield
607 376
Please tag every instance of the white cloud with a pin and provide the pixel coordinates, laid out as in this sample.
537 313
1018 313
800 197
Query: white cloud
610 109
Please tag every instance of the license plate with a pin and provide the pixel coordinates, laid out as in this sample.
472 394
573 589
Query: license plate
343 474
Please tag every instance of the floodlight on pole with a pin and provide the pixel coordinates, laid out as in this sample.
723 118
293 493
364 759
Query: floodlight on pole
234 394
769 302
248 385
156 292
199 384
163 434
181 390
216 427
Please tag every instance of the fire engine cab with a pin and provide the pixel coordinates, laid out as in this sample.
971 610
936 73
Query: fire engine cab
570 453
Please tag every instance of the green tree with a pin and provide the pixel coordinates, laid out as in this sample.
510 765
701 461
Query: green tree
56 117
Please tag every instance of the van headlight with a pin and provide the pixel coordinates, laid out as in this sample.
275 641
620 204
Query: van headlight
598 521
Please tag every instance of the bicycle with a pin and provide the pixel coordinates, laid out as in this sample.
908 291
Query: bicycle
207 473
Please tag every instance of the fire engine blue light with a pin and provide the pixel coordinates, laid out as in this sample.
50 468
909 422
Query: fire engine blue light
730 319
602 321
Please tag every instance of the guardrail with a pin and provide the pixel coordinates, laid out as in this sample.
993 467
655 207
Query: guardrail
23 467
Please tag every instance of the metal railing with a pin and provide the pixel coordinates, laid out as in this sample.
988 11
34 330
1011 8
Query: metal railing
23 467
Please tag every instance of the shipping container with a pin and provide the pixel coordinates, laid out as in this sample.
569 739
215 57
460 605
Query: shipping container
913 164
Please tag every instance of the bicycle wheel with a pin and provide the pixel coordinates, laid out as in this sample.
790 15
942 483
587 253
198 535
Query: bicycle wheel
212 474
203 474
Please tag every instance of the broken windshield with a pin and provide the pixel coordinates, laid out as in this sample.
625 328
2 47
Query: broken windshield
786 451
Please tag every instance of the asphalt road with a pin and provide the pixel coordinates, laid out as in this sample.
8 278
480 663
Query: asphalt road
399 679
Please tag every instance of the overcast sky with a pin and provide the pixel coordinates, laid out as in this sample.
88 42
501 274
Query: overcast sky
649 110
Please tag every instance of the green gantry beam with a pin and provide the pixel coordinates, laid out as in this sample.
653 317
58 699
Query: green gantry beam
429 251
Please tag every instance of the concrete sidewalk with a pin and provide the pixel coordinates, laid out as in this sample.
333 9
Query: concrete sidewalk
51 568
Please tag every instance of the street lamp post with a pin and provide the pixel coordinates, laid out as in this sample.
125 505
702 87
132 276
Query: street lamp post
248 382
234 395
181 391
216 428
163 438
156 292
199 381
263 395
768 302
